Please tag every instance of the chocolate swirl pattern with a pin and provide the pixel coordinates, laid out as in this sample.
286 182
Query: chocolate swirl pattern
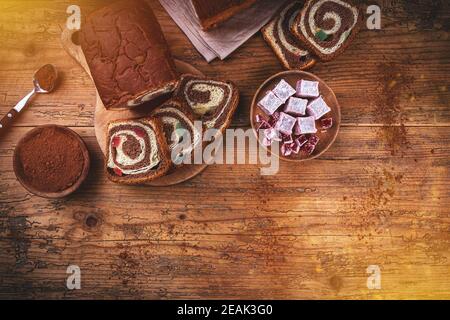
212 100
286 46
135 153
176 120
327 26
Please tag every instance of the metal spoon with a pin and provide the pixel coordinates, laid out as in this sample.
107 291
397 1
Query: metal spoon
38 88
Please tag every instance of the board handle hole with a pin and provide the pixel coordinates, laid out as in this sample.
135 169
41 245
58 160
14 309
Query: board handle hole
75 38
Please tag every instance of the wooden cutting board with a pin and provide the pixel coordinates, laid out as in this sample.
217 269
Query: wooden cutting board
103 116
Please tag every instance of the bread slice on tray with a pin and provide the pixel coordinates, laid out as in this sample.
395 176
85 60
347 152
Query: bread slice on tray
178 124
127 54
284 43
327 27
211 13
213 101
137 151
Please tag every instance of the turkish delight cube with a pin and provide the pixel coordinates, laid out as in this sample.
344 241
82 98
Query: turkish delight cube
302 139
317 108
285 124
296 106
283 90
309 148
305 125
307 89
313 139
270 103
327 123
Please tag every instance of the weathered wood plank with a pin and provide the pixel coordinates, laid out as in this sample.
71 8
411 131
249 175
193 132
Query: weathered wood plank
370 66
365 208
223 267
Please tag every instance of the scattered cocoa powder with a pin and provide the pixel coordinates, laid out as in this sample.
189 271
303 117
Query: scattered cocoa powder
51 160
393 82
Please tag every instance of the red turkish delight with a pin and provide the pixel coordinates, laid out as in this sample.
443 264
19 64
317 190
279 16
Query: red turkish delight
314 140
263 123
327 123
286 149
302 139
308 148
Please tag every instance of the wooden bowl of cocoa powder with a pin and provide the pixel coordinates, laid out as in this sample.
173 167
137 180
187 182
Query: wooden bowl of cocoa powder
51 161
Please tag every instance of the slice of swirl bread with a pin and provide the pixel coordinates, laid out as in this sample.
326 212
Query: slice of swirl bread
286 46
137 151
213 101
327 27
178 122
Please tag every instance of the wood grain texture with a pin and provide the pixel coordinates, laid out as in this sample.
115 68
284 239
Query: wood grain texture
380 195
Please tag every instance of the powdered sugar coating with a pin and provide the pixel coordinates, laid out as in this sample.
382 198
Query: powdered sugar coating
270 103
283 90
285 124
305 125
317 108
296 106
307 89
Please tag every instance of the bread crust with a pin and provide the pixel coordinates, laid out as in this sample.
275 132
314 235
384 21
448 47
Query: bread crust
215 19
183 108
132 67
266 35
163 150
347 42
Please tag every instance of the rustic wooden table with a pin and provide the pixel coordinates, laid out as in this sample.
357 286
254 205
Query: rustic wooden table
379 196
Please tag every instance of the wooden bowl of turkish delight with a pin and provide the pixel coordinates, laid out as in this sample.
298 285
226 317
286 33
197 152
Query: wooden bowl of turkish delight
295 115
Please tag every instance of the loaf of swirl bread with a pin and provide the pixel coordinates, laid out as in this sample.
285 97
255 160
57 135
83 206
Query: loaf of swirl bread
211 13
127 54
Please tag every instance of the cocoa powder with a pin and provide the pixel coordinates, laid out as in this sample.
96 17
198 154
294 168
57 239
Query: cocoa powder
46 77
51 160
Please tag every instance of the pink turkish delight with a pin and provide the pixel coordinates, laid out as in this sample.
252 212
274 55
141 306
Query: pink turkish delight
270 103
327 123
283 90
307 89
317 108
296 106
305 125
285 124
